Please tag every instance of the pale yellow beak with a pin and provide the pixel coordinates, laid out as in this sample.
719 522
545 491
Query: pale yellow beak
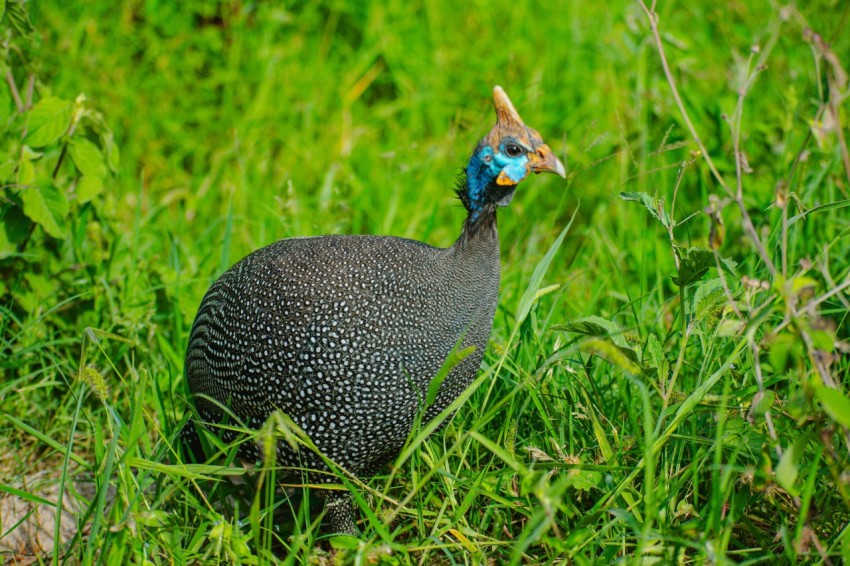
546 161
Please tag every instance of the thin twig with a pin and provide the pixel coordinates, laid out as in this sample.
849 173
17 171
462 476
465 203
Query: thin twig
30 91
63 153
768 420
814 355
836 80
746 221
13 88
668 390
653 24
735 124
784 249
726 290
834 291
824 269
672 224
684 167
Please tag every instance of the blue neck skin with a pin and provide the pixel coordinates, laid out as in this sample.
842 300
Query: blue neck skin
481 172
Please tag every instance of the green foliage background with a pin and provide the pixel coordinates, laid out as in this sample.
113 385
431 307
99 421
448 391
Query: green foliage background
148 145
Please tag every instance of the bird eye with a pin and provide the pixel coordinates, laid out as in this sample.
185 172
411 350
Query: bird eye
513 150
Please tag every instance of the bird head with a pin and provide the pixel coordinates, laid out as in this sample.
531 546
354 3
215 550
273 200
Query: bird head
504 157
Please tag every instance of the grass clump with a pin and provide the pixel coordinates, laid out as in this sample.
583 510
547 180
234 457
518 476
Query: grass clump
667 380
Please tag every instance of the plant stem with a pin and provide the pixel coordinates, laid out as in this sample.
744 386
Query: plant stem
13 88
746 221
735 124
653 24
683 344
30 91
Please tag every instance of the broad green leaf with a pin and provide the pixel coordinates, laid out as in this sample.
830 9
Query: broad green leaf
703 303
764 467
623 357
823 340
784 352
87 158
609 331
14 227
709 301
7 106
802 283
344 542
43 286
654 358
7 171
152 518
835 404
705 290
730 264
789 466
48 206
685 509
584 480
113 156
528 297
693 264
729 328
2 10
88 187
26 173
48 121
654 205
29 153
762 402
18 17
595 326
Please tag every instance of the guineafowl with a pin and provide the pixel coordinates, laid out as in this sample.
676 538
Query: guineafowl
344 333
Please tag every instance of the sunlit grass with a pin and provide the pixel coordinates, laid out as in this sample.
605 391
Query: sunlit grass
658 431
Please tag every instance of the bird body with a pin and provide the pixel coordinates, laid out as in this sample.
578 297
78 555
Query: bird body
334 330
345 333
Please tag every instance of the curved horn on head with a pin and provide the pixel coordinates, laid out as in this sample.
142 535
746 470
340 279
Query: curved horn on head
505 110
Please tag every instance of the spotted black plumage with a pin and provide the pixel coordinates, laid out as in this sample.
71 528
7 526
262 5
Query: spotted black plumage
345 333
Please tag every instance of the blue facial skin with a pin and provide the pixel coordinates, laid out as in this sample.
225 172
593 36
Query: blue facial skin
483 168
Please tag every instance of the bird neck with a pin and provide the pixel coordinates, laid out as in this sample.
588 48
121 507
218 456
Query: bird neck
476 253
480 225
472 186
480 192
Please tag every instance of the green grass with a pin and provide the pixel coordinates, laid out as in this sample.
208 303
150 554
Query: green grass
707 422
